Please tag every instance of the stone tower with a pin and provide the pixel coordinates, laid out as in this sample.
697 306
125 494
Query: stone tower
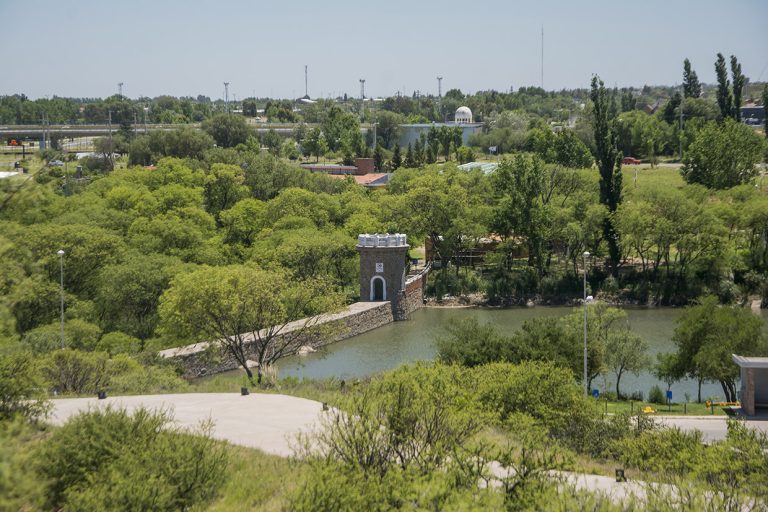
382 268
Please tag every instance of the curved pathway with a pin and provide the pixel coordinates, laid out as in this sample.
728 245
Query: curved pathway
260 420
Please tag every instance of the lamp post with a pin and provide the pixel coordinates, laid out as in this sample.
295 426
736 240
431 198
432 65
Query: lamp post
61 277
586 386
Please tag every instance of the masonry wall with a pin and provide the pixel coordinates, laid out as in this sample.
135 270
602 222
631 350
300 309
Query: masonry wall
412 298
203 359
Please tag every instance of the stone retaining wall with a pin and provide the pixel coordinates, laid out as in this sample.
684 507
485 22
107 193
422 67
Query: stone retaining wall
206 358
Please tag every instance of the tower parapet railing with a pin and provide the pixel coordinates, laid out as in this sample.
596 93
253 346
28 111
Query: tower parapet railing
382 240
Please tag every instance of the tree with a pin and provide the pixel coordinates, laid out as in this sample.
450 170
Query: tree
228 130
224 186
315 144
246 312
723 156
724 96
128 294
570 151
183 142
378 158
625 351
608 160
409 162
691 85
397 159
706 336
602 324
738 87
667 369
272 140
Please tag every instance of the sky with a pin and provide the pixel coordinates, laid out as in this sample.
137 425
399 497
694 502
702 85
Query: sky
189 47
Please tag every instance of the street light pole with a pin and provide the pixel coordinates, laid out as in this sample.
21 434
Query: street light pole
586 386
61 277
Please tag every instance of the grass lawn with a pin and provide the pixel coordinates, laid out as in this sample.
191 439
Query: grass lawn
257 481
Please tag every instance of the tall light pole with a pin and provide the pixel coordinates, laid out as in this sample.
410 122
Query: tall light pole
586 386
61 277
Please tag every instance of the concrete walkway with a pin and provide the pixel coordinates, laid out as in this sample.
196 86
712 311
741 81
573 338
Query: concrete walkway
713 428
264 421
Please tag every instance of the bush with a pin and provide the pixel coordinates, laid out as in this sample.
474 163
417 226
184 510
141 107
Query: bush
108 460
17 490
21 389
546 392
118 343
656 396
667 450
73 371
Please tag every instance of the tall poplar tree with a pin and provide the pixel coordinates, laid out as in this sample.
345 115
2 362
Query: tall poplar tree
608 159
397 159
724 97
738 87
691 84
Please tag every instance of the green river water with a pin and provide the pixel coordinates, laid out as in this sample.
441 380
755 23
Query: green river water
401 342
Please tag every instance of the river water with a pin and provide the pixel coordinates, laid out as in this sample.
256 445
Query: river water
401 342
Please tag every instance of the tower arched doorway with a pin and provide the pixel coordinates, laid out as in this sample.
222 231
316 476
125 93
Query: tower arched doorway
378 289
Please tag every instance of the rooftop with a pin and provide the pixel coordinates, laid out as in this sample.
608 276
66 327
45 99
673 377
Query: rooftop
750 362
486 167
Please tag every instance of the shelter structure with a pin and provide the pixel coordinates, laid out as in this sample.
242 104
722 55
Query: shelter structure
754 382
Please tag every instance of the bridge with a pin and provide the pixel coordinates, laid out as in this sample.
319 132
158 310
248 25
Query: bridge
38 132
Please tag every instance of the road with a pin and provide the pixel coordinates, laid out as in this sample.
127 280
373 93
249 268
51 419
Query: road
714 428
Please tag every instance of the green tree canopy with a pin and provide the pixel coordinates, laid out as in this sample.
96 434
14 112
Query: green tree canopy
723 156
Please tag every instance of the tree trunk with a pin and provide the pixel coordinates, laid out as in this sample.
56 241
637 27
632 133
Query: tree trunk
248 373
618 380
699 400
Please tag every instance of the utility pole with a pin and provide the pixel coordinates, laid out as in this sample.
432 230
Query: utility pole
226 96
542 56
440 97
120 89
111 149
306 82
61 277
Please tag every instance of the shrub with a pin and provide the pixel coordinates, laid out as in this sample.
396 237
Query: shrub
118 343
73 371
21 389
656 395
17 490
667 450
468 343
108 460
546 392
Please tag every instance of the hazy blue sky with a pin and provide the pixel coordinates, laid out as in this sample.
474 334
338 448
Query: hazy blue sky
84 48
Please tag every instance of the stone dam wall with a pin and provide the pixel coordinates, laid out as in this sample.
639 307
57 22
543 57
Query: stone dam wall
412 298
206 358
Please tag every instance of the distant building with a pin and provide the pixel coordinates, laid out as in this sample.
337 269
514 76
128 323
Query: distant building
410 133
361 172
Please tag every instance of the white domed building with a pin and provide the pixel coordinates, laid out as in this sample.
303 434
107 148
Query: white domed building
463 115
462 120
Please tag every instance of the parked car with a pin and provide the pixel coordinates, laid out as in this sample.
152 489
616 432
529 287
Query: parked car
629 160
56 163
